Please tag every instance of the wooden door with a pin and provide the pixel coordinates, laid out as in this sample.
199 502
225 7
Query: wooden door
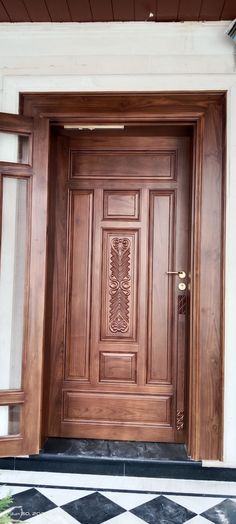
117 321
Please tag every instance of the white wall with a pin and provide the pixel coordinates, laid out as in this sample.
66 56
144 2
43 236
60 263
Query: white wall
135 57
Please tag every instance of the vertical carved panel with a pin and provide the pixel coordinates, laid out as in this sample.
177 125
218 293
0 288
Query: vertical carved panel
119 285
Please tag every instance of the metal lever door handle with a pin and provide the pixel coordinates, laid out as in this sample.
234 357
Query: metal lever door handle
181 274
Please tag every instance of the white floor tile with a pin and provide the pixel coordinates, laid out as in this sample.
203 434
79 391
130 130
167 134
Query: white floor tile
128 500
55 516
110 482
125 518
40 519
63 496
11 490
195 504
199 520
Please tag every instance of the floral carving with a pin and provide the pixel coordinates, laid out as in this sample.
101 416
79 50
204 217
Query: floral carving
119 285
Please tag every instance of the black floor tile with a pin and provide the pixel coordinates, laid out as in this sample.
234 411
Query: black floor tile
70 465
223 513
163 470
28 504
7 463
93 509
163 511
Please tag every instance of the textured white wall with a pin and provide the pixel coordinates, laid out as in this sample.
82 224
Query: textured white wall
140 57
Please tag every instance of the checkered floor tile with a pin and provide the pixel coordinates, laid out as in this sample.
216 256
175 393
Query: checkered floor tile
62 505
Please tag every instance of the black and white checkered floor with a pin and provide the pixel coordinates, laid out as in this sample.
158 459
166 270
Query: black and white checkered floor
95 500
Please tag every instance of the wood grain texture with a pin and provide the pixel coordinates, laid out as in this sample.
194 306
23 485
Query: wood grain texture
204 436
80 11
58 10
189 10
79 276
16 444
102 10
206 364
117 349
4 16
210 261
16 123
211 10
124 10
143 9
115 10
162 259
33 358
167 11
16 10
121 204
37 11
56 291
117 107
11 397
117 367
228 10
108 164
122 409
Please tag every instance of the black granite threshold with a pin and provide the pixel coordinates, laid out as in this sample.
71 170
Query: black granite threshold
115 449
117 458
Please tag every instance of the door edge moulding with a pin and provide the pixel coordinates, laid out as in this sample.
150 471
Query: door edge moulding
205 111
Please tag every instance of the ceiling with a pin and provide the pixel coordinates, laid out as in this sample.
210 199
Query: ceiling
115 10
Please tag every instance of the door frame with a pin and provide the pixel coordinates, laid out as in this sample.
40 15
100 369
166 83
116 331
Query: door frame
206 112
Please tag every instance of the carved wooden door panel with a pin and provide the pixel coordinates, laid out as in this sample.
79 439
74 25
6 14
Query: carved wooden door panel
119 223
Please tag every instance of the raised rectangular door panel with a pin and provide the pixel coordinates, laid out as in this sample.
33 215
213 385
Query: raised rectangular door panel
124 409
160 293
125 225
79 286
118 367
122 164
121 204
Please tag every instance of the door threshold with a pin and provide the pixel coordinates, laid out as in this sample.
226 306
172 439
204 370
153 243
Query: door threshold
116 458
115 450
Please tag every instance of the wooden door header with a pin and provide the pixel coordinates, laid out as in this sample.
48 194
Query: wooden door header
149 107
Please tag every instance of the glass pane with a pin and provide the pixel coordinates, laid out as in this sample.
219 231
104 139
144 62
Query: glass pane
12 280
14 148
10 420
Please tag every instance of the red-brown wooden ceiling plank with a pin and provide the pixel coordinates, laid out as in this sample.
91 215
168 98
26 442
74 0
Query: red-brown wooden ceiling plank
143 8
80 10
37 10
229 10
167 10
101 10
211 9
16 10
3 14
189 10
123 10
58 10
